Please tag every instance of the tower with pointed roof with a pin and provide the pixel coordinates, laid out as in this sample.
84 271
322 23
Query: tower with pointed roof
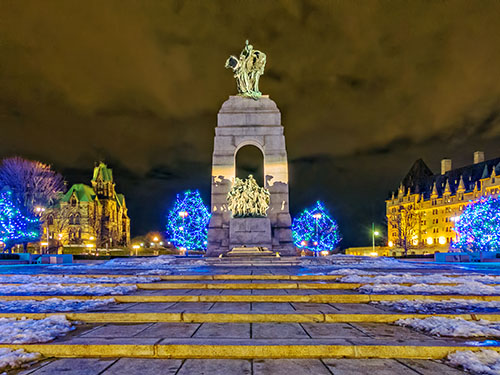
91 216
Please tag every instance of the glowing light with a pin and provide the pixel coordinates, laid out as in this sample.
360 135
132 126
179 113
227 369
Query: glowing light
478 228
415 242
325 253
15 227
430 240
188 222
136 247
89 245
442 240
315 230
376 233
44 243
374 254
92 238
155 239
391 244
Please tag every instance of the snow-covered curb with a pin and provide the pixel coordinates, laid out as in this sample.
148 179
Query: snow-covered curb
418 278
52 305
61 279
30 331
451 306
10 359
467 288
485 362
456 327
58 289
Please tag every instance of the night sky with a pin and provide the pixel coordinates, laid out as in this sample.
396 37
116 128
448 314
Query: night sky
365 89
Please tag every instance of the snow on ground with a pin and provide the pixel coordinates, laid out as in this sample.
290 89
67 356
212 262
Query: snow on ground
10 359
340 260
456 327
452 306
466 288
61 279
483 362
30 331
58 289
52 305
414 278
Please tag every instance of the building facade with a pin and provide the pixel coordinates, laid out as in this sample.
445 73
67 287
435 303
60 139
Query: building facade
426 205
91 216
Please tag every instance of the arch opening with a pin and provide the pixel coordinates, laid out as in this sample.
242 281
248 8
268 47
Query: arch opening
249 160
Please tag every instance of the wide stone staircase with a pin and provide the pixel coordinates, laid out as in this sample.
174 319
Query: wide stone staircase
266 321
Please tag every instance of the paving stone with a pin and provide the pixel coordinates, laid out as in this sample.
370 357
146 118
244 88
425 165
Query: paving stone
190 306
367 367
215 367
75 366
226 307
150 307
117 330
357 308
226 330
289 367
332 330
163 330
314 307
144 366
264 307
383 330
277 331
429 367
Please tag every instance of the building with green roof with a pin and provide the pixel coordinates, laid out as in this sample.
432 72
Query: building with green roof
92 216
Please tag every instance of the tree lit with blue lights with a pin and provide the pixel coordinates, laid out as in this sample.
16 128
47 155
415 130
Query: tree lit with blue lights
478 228
188 220
314 229
15 227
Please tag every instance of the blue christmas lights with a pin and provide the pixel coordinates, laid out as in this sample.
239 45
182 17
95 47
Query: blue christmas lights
15 228
478 228
315 229
187 225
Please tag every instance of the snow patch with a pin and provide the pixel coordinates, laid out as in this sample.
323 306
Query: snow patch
58 289
451 306
467 288
52 305
61 279
417 278
30 331
456 327
10 359
482 362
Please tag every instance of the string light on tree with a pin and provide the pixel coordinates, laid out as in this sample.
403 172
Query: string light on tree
188 222
478 228
16 228
314 229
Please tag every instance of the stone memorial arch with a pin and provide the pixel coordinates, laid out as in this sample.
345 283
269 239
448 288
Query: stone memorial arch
244 121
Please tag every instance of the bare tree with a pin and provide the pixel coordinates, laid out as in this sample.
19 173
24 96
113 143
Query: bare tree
405 220
32 182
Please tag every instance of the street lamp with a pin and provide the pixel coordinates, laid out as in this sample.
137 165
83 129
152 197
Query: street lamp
317 216
183 215
374 233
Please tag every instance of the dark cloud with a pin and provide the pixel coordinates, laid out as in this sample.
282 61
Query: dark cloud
364 89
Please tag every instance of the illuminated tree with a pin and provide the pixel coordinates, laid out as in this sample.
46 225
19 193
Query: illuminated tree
16 228
314 229
405 221
187 225
32 183
478 228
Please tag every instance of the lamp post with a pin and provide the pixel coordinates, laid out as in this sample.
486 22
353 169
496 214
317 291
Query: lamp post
317 216
183 215
40 210
374 233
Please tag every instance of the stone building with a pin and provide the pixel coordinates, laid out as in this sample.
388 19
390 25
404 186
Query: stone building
91 216
437 200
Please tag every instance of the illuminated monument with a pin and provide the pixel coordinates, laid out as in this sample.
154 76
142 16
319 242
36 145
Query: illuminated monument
249 118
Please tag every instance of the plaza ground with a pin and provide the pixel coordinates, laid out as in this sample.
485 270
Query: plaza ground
248 316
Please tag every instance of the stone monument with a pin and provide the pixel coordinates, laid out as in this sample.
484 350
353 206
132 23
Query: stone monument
249 118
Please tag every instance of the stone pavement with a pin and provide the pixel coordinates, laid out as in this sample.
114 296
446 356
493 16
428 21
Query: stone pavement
262 336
